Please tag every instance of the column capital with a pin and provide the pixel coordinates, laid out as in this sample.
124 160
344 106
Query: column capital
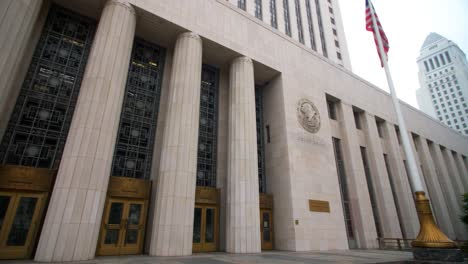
189 35
122 3
242 59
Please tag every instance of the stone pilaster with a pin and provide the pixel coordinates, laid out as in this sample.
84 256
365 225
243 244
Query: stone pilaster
438 201
410 222
172 231
73 219
453 173
17 23
361 209
385 201
242 195
418 164
462 169
452 199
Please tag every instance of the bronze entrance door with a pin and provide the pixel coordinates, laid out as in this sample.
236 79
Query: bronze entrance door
266 229
20 217
124 218
205 228
206 220
123 228
24 192
266 221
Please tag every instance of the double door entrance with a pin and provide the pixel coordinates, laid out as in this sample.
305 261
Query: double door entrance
124 218
123 227
20 218
205 228
24 192
206 220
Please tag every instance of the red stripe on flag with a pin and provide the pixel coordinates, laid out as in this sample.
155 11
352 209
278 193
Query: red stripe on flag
370 27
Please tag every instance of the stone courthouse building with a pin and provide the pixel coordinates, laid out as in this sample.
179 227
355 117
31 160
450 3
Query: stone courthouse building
170 127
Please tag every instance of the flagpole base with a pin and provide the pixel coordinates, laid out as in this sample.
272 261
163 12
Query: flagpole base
431 243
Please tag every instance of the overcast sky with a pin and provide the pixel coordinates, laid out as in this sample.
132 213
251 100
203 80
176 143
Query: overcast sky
406 23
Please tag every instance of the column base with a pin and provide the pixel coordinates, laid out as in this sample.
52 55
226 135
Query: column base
438 254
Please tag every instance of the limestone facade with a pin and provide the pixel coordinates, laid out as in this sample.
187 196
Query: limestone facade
299 165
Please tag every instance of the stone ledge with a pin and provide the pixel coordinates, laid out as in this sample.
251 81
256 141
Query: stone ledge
437 255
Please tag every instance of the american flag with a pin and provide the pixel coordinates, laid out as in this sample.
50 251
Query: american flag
370 27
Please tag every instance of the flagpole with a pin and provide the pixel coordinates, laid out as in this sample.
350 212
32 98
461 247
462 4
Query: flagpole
429 235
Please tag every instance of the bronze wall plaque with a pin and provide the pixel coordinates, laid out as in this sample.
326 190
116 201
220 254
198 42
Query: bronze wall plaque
319 206
129 187
266 201
26 178
206 195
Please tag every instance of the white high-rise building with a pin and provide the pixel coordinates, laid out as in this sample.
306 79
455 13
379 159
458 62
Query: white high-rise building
443 79
319 25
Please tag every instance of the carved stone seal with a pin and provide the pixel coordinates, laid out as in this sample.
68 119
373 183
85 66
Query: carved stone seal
308 116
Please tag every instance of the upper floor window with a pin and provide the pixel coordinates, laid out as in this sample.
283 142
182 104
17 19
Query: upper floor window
300 31
273 19
241 4
447 55
311 25
287 19
357 119
258 9
331 107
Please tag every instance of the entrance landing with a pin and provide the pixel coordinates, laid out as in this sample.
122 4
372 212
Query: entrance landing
271 257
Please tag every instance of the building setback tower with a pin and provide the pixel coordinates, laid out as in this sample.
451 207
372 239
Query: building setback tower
443 79
317 24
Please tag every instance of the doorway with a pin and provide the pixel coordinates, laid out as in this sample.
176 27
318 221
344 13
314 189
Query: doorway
206 220
123 228
205 226
124 219
266 229
266 221
24 192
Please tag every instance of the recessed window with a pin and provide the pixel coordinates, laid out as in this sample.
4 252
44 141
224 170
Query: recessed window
357 119
338 55
380 126
337 44
331 107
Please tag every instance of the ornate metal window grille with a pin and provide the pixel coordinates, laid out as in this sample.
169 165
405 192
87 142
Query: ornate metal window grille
260 139
134 149
208 127
41 118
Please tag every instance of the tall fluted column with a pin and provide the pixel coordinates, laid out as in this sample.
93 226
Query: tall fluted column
73 219
242 193
172 231
17 21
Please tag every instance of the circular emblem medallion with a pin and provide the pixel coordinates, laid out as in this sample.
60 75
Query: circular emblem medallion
308 116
